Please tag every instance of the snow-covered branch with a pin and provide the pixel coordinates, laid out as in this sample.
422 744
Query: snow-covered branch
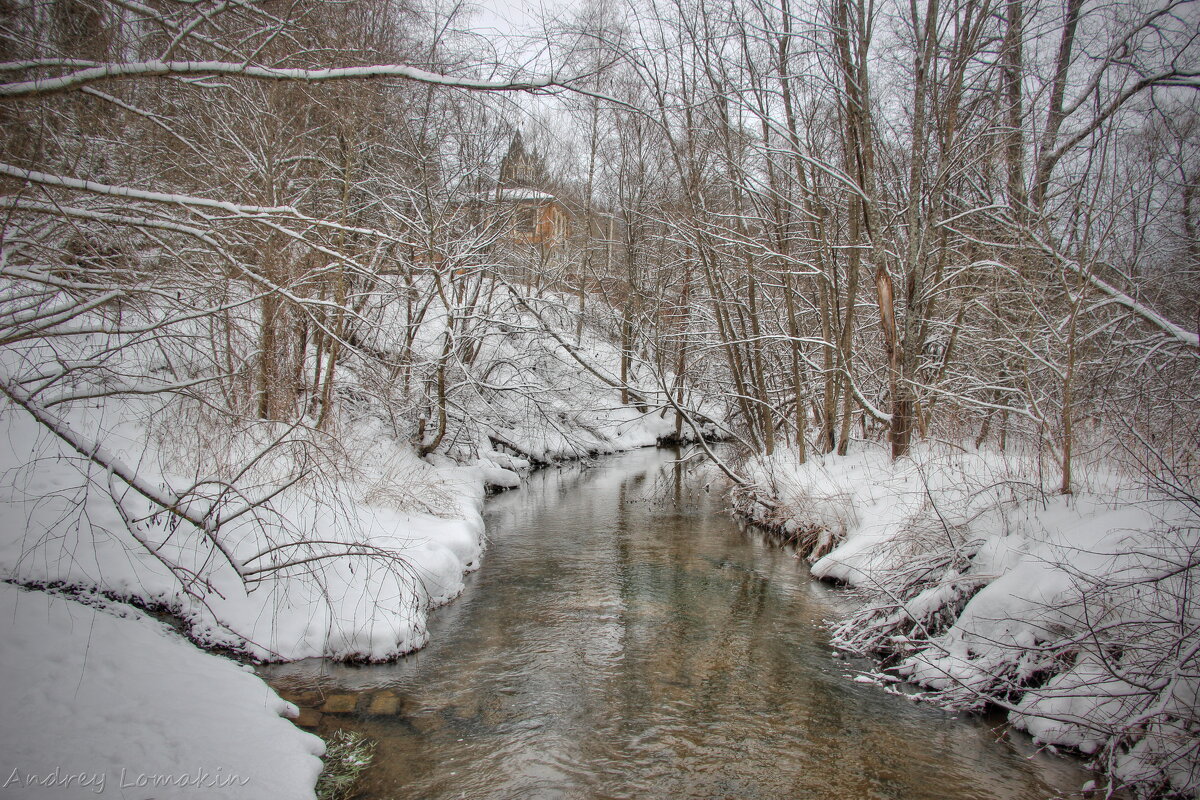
149 69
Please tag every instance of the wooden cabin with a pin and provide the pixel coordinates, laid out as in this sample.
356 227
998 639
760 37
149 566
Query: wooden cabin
533 216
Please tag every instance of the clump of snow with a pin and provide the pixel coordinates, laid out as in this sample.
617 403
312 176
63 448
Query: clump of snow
819 499
1078 613
105 701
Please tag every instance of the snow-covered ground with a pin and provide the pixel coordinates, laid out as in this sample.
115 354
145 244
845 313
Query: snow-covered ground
1078 614
104 701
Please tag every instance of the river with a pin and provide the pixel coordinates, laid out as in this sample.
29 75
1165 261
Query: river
625 638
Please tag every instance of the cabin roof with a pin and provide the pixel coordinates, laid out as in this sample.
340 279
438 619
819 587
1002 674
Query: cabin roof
525 195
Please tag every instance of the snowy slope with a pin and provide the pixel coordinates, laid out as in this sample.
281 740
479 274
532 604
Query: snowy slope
62 527
109 702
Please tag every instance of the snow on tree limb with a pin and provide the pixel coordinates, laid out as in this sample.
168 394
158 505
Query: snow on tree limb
176 504
155 68
131 193
1145 312
47 179
1166 326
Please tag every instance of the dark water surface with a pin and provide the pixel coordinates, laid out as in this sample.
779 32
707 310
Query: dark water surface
625 639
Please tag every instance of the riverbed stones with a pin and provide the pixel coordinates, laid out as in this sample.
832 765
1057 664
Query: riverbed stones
339 703
492 711
384 704
301 697
308 718
467 707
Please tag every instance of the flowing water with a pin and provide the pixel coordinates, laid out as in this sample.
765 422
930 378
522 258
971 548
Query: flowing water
626 639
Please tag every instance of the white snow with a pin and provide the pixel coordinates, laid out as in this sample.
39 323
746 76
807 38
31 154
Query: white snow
524 195
106 701
62 527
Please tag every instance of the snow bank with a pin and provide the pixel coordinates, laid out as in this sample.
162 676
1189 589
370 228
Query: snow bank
61 526
538 389
1079 614
105 701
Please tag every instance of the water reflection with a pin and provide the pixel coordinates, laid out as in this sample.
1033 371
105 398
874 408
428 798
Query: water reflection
624 639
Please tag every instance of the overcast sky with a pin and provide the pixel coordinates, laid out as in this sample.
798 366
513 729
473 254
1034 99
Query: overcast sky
509 17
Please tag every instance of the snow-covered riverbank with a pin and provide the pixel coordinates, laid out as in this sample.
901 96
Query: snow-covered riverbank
1077 614
105 701
278 541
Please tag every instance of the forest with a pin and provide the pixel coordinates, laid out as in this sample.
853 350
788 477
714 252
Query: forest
287 285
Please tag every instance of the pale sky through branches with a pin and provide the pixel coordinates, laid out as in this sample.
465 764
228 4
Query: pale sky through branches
508 17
